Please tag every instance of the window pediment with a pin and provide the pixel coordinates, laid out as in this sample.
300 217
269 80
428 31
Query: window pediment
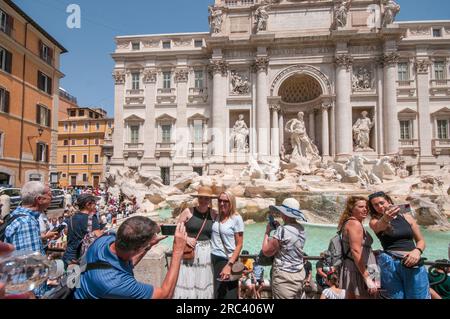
445 111
134 118
165 117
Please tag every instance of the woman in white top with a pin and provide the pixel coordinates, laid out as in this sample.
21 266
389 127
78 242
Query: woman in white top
226 243
334 292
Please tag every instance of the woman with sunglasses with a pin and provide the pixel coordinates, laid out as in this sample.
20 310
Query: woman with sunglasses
195 279
402 276
227 241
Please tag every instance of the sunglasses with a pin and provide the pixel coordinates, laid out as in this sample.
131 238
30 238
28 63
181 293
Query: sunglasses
377 194
223 201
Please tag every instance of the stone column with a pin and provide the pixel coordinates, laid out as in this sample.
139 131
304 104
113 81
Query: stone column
325 130
119 100
218 124
312 127
281 128
150 138
262 110
182 131
379 109
390 113
344 138
422 66
274 138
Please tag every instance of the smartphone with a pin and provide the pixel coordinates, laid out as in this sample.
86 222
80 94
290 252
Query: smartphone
404 208
168 229
59 229
272 221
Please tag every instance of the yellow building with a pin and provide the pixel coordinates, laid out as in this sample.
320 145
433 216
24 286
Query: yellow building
81 139
29 82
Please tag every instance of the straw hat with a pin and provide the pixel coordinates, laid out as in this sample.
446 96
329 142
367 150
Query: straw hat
205 191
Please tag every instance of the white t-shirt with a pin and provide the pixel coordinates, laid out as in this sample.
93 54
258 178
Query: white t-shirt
233 225
330 294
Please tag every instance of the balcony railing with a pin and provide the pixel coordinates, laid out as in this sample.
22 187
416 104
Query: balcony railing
409 146
166 91
404 83
134 145
199 150
165 148
441 145
240 3
135 92
443 82
198 94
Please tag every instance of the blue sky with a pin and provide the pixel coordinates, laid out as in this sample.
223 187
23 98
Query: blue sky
88 65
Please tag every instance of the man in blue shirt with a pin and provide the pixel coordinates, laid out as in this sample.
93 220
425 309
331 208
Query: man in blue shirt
121 253
24 232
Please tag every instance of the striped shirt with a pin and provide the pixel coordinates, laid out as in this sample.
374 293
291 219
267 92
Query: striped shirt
24 232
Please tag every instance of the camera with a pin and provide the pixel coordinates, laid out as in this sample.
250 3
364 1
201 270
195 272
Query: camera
404 208
168 229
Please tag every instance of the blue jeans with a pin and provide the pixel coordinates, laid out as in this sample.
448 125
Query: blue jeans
400 282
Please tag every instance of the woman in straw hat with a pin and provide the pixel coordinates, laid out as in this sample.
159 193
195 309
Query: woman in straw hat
195 279
227 241
286 245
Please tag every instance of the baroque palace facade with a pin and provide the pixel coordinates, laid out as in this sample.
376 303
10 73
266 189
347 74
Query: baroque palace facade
208 101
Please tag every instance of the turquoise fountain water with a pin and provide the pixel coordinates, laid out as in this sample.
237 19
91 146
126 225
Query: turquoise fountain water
318 236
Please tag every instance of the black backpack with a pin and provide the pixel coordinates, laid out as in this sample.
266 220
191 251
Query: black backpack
6 222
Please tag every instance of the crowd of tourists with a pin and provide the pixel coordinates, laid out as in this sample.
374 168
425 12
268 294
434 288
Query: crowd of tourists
207 259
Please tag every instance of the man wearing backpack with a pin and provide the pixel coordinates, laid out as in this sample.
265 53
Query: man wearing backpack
83 228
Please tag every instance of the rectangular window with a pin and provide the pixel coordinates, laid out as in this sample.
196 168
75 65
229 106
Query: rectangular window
72 159
165 175
85 178
85 159
134 129
42 152
437 33
1 144
5 60
97 126
198 43
45 52
66 142
403 71
442 126
135 81
43 115
66 127
81 113
74 126
4 100
64 159
96 158
44 83
166 79
405 130
73 142
96 141
109 124
85 142
136 45
198 131
439 70
86 126
73 113
166 133
91 115
198 79
166 44
6 22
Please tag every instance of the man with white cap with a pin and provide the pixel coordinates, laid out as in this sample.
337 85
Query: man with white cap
286 246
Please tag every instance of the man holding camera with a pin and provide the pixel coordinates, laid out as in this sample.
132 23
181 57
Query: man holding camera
111 259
